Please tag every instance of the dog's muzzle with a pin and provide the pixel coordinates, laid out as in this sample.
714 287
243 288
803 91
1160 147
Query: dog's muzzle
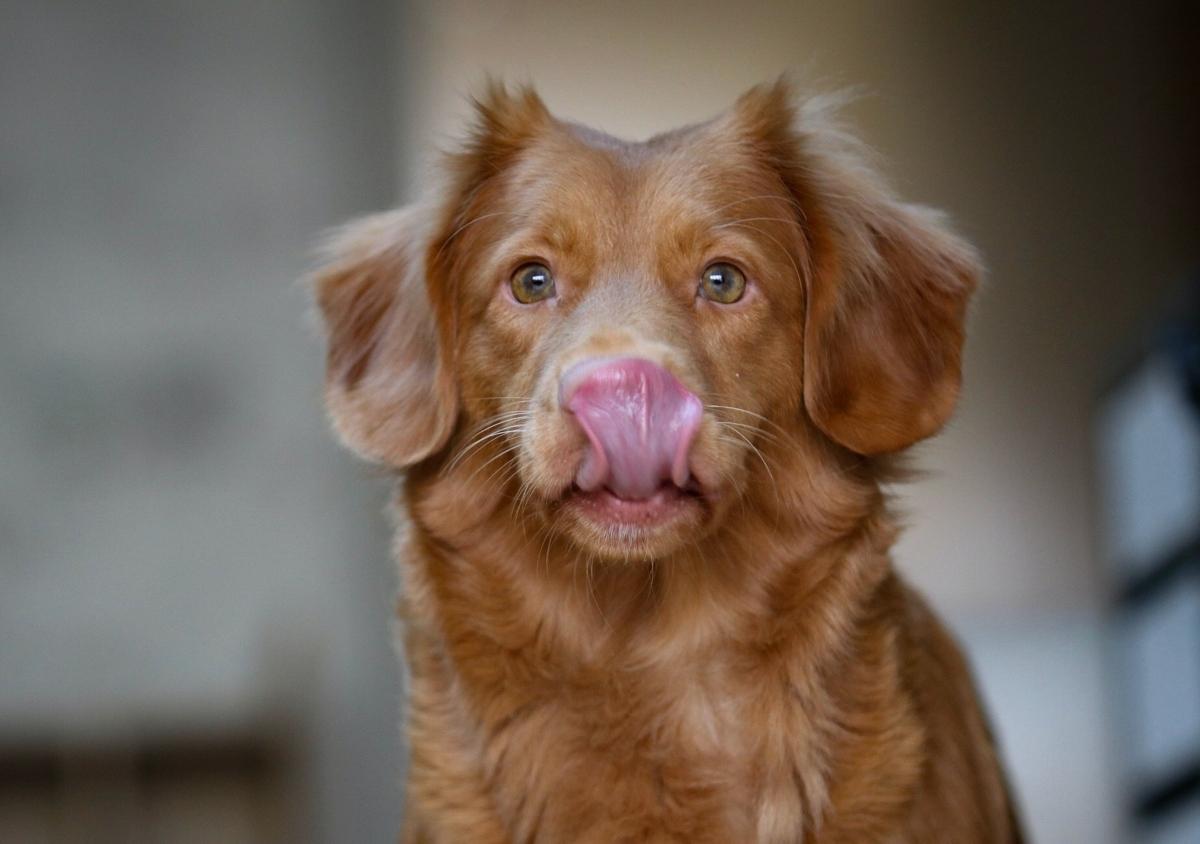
639 420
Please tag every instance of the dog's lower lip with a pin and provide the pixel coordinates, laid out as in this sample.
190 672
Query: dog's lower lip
605 506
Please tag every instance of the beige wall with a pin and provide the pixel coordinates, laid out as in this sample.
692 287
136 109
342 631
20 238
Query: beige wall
182 544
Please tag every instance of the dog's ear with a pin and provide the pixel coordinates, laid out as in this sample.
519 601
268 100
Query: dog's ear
884 329
389 390
506 120
888 284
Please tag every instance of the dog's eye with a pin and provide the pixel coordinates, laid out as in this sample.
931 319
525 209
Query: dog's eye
532 283
722 283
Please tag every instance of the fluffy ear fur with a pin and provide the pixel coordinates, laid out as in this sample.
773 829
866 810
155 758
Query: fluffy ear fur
388 388
887 290
505 122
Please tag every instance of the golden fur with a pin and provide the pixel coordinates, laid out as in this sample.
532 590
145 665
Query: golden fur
756 671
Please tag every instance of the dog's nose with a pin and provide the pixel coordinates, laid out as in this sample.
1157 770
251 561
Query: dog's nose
639 420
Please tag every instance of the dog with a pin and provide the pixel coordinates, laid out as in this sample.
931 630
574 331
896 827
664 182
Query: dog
640 400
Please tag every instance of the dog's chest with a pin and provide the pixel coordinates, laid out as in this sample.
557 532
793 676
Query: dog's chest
668 755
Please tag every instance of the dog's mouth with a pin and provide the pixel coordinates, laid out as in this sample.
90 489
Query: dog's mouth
605 508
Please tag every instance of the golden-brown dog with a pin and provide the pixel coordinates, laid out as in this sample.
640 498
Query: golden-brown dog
645 394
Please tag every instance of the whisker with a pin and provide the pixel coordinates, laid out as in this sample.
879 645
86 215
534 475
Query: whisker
761 458
478 443
510 471
754 429
548 542
524 496
588 583
502 424
786 434
726 225
502 453
469 222
782 248
788 199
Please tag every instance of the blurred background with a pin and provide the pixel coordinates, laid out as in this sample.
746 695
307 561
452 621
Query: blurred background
195 587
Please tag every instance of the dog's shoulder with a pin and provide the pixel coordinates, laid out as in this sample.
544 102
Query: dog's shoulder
964 786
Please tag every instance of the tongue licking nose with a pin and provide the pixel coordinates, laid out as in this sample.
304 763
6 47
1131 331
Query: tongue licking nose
640 423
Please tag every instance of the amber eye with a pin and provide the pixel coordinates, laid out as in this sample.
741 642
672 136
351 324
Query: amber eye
532 283
722 283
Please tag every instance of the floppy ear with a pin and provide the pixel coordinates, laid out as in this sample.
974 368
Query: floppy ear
884 330
888 285
389 391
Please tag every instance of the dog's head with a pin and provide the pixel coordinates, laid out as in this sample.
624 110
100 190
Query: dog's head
626 341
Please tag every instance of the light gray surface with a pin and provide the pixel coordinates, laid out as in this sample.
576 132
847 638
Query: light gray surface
180 539
1148 455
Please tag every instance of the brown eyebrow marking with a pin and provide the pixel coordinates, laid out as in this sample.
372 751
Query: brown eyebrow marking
470 222
562 235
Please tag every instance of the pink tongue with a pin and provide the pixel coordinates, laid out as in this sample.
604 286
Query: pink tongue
639 420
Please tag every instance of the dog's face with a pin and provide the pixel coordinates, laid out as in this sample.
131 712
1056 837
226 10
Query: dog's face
613 334
616 292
